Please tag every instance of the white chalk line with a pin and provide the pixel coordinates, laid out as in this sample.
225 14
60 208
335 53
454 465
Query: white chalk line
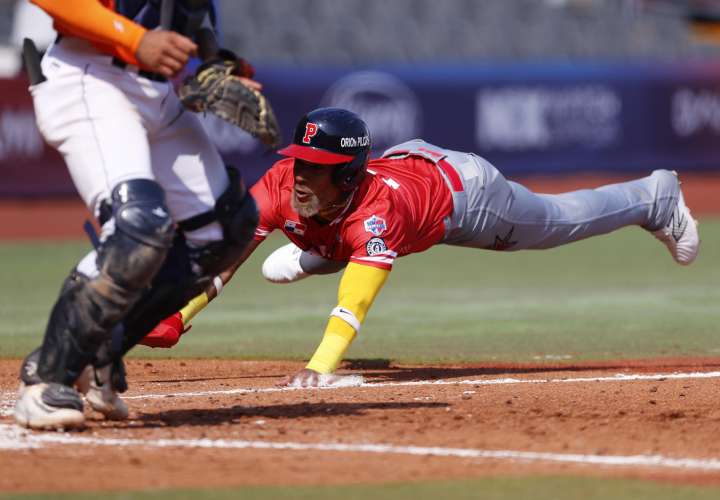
14 438
7 400
620 377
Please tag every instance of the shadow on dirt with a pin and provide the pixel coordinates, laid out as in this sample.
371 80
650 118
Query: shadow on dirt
239 414
383 370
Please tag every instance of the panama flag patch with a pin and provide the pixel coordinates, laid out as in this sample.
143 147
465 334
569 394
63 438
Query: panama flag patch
295 227
375 225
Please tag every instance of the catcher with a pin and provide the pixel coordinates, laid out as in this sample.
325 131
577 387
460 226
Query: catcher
172 215
341 210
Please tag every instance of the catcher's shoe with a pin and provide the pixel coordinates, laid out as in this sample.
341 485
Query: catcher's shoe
96 385
680 235
28 370
49 406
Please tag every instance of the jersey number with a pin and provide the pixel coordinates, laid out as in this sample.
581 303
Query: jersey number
391 182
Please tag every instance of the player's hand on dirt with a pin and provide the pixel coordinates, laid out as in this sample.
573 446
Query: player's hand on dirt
307 378
165 52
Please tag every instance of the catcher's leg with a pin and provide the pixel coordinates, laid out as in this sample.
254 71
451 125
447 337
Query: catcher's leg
99 384
217 220
135 243
190 267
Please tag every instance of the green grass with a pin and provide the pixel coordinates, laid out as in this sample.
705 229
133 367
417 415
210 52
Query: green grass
498 488
612 296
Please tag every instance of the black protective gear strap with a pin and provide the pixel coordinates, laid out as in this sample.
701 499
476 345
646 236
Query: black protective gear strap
197 221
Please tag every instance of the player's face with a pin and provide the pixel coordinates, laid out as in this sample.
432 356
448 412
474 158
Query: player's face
313 190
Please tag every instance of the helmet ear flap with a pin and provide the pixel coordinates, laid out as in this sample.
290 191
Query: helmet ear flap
349 175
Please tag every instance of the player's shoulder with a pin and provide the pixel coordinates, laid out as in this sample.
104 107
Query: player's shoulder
280 168
280 173
382 164
276 179
374 204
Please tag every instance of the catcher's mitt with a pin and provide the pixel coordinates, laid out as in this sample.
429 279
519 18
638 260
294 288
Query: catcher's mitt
218 88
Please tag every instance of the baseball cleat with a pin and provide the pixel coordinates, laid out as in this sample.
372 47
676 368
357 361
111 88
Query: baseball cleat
49 406
95 384
680 235
28 370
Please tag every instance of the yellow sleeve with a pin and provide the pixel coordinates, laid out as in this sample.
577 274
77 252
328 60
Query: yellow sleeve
359 286
193 307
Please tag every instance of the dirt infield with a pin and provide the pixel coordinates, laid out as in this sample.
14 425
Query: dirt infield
215 423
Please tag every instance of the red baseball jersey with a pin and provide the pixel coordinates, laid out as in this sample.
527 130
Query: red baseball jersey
397 210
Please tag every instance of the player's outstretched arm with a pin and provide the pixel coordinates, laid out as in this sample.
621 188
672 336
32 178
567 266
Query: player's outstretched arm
359 286
167 333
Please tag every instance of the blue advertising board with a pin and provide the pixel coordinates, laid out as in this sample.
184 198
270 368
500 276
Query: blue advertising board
526 119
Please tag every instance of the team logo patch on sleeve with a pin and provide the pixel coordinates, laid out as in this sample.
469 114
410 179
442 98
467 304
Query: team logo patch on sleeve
375 246
294 227
375 225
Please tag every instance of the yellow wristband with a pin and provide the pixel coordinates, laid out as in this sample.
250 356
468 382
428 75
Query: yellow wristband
337 339
193 307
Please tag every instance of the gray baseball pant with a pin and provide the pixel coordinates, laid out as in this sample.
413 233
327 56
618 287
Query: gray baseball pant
498 214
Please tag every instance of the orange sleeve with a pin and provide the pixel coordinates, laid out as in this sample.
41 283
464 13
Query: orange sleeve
93 21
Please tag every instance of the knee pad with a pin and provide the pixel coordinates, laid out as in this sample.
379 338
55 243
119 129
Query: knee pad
141 236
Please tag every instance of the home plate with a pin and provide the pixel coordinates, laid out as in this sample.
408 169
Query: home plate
332 380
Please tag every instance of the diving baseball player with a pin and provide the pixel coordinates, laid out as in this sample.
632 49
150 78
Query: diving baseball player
341 210
172 215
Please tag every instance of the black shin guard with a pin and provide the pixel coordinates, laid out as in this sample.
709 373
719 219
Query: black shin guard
174 285
88 309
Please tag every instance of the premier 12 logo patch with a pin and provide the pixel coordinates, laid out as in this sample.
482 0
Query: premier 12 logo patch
375 225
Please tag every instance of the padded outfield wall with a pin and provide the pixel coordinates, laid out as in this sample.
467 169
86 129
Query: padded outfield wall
527 119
